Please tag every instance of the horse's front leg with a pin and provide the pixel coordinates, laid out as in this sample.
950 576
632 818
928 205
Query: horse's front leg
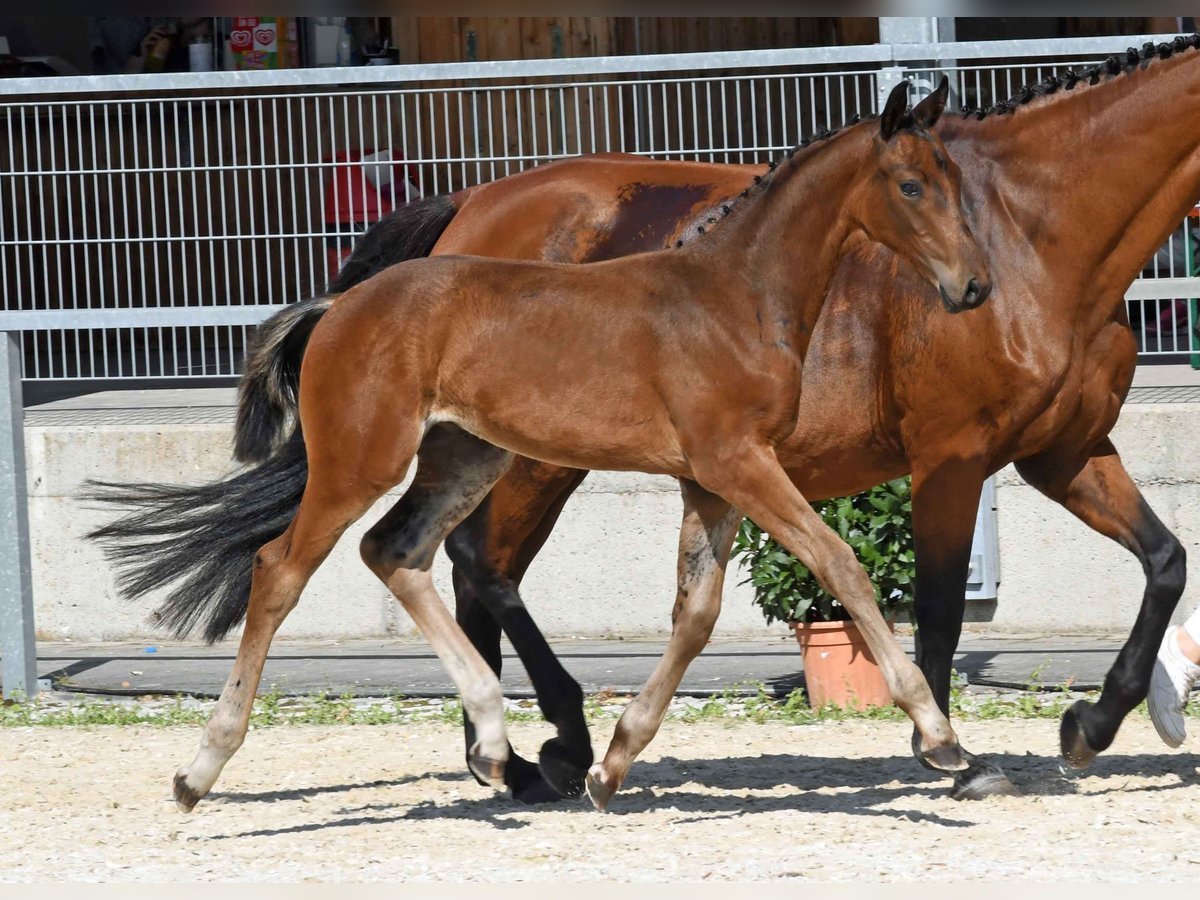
491 551
1098 490
709 524
750 478
945 503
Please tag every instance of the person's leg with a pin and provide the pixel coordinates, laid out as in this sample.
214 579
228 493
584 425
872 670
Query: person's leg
1176 671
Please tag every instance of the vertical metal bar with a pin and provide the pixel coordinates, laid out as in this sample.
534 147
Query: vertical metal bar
504 128
695 154
607 121
446 132
491 133
222 178
725 119
280 240
18 672
263 186
99 267
112 232
307 177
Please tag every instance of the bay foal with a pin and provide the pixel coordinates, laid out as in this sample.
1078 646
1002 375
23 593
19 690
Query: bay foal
684 362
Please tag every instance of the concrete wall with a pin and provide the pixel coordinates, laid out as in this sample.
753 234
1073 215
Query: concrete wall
609 567
1056 574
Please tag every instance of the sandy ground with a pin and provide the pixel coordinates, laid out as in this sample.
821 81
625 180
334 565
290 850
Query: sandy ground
831 802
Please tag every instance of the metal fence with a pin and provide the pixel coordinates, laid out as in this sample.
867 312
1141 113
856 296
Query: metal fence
147 222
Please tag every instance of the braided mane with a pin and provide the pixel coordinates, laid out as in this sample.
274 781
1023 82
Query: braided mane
1069 79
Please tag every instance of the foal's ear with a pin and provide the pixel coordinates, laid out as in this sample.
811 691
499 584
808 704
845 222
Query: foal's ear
929 110
895 111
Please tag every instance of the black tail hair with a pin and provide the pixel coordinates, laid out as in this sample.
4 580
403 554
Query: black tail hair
408 233
268 393
202 538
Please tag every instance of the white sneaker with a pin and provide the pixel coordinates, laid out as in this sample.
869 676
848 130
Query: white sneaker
1170 683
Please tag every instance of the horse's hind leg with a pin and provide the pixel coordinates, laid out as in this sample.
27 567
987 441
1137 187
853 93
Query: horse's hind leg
709 524
281 570
454 472
491 550
1100 492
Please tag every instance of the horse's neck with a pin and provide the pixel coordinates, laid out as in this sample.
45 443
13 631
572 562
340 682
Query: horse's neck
1094 179
790 236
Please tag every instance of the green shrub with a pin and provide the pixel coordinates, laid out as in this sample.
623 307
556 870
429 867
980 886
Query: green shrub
877 524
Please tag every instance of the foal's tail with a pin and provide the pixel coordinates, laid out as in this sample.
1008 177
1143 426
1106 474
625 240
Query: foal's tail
200 541
268 393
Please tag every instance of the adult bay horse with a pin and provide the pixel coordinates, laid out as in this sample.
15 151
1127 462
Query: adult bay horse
892 388
1067 239
684 362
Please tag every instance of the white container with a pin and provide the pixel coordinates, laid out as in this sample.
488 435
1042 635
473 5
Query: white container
200 56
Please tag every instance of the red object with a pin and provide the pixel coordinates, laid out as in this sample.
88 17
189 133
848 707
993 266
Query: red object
353 202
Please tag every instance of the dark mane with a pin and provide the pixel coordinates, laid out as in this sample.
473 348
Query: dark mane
1114 65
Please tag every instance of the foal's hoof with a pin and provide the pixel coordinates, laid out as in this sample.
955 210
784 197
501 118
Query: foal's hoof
599 789
981 780
565 769
487 770
1076 751
186 798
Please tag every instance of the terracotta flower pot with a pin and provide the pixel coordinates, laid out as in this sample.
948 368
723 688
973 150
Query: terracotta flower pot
839 667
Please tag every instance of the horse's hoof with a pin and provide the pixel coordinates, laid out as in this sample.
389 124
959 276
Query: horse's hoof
185 797
599 791
527 784
564 769
981 780
1076 751
487 771
947 759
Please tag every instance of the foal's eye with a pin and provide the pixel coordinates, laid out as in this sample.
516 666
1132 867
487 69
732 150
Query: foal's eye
910 189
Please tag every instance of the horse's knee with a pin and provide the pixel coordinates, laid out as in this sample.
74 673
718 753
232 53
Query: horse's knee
1167 566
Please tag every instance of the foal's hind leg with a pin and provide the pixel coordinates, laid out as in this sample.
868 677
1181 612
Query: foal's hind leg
1101 493
709 524
454 472
281 570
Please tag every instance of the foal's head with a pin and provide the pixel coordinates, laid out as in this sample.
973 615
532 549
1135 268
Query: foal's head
912 201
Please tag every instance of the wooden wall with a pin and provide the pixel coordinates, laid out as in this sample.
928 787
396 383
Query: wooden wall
457 39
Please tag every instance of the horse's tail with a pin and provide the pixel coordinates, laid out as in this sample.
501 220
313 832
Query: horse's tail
201 539
268 393
408 233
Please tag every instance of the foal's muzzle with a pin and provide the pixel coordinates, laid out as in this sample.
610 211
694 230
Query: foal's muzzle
973 296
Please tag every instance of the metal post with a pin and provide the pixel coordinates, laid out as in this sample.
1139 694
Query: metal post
18 670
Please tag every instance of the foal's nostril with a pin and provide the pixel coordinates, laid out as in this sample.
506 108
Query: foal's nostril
972 292
976 293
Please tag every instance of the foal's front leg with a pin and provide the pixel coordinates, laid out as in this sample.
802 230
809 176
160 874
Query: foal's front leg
750 478
709 524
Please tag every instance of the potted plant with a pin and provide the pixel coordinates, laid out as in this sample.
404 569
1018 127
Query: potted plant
838 666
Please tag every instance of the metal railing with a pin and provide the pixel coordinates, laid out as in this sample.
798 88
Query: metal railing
147 222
